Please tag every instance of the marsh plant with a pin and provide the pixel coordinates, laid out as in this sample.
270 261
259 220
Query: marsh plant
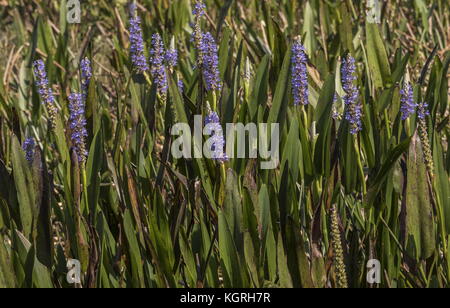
209 144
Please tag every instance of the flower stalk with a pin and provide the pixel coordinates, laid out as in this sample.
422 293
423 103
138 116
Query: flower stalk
299 74
45 91
351 99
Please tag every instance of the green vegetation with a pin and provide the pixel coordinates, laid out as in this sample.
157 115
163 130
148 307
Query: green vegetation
135 216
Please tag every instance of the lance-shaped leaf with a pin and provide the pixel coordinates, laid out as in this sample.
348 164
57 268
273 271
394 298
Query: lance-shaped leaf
420 226
24 186
7 277
377 56
42 225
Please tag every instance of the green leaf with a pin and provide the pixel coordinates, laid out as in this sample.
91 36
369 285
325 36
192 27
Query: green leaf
60 138
24 186
7 277
259 92
345 28
291 152
265 220
392 158
283 270
93 168
322 155
177 101
188 259
377 57
278 110
133 250
228 254
42 226
420 225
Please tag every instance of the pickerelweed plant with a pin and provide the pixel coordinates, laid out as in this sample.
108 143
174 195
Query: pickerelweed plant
299 74
90 170
45 91
199 12
422 114
408 106
77 124
28 147
137 48
207 54
213 127
158 68
353 112
210 63
86 75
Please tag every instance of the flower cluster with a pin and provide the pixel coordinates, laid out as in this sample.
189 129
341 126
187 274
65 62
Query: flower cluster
171 57
422 110
351 99
86 75
158 69
77 124
210 63
199 9
299 75
28 147
44 90
137 44
408 106
212 126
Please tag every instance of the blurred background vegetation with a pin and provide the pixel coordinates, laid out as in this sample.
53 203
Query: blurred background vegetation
145 219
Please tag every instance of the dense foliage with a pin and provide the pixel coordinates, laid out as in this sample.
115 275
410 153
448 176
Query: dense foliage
87 171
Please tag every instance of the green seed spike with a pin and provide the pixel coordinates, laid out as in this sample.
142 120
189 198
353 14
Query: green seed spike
427 153
339 265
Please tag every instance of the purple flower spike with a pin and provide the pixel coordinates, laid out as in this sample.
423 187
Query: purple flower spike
212 125
353 116
210 63
199 9
77 124
44 90
172 57
351 99
408 106
158 69
299 75
86 75
422 110
137 44
28 147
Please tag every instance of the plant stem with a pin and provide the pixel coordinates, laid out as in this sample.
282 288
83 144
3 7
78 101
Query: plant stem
360 165
85 193
214 101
